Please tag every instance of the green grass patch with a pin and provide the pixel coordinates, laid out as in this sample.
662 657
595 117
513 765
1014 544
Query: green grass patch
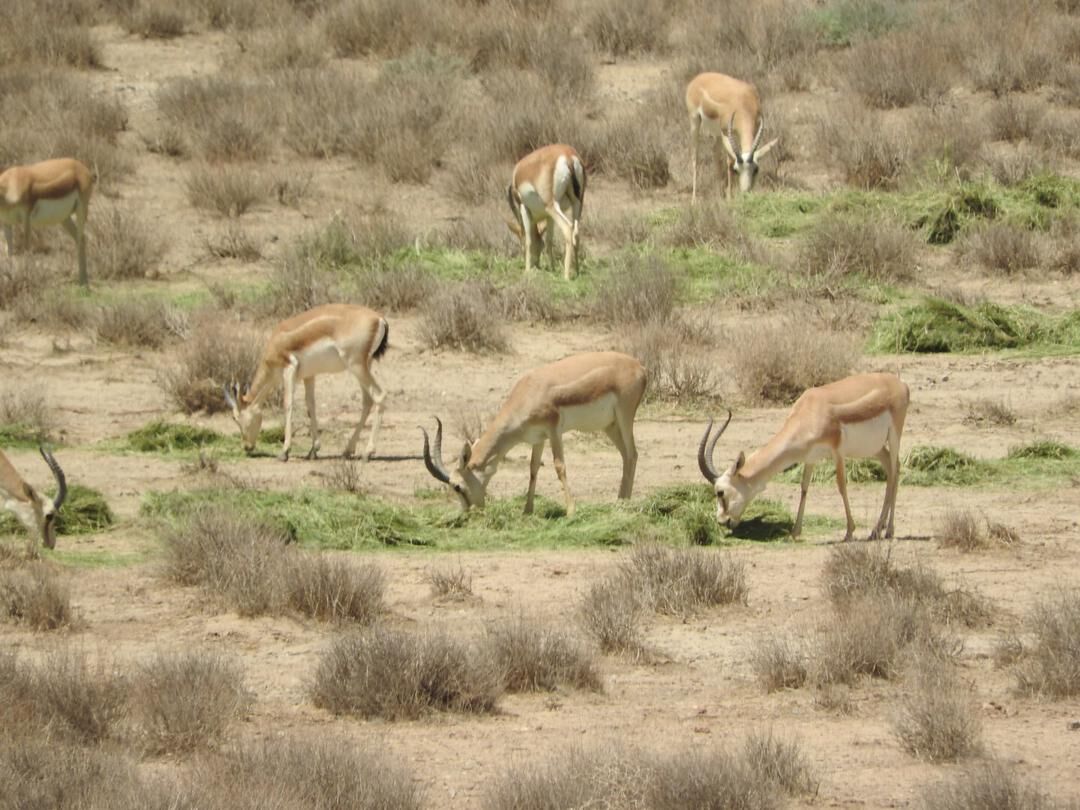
329 520
168 437
934 325
85 511
19 435
844 22
780 214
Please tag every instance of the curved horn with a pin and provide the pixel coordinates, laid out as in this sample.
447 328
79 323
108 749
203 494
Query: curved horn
757 137
435 465
58 474
706 448
733 147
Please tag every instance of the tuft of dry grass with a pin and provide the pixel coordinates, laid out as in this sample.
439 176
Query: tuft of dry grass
1052 664
218 352
156 19
778 362
399 289
989 785
334 589
1014 119
960 529
938 720
992 412
141 323
681 367
453 584
233 242
680 581
34 596
460 317
868 153
123 246
227 189
899 69
396 675
346 476
1002 247
187 700
534 656
631 27
223 117
877 250
779 663
25 413
611 613
645 289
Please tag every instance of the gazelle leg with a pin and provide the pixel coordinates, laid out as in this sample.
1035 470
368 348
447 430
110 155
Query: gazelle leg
622 436
560 470
534 470
841 484
77 231
373 396
566 228
9 237
807 475
288 378
529 236
309 398
695 133
890 459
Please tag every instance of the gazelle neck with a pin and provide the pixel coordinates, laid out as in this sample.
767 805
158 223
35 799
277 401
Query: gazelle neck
773 458
262 384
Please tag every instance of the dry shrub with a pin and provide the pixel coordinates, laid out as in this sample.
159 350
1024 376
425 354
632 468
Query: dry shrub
241 15
346 476
611 613
473 181
779 663
55 33
1007 49
25 412
993 412
960 529
710 224
461 317
363 27
224 118
839 247
141 323
452 584
396 675
233 242
631 27
632 147
157 19
219 351
534 656
869 154
320 773
900 69
1058 135
187 700
334 589
681 581
776 363
66 692
1064 246
1013 167
299 283
1052 665
34 596
227 189
396 289
938 720
1014 119
123 245
529 300
544 45
989 785
23 277
285 47
645 289
1002 247
678 358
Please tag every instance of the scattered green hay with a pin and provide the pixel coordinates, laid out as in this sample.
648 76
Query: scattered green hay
335 520
856 471
780 214
167 437
85 511
940 326
1045 449
20 435
273 435
843 22
930 466
764 521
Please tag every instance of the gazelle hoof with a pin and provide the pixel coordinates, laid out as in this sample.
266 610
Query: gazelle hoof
312 454
283 455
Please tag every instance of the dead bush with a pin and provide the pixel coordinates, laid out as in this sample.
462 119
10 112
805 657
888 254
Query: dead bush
364 27
900 69
632 147
224 118
187 700
950 139
396 675
217 352
1014 119
49 34
228 190
233 242
82 698
156 19
25 413
461 317
938 720
346 476
123 246
1014 167
779 663
989 785
776 363
34 596
334 589
531 301
452 584
1002 247
286 46
990 412
681 368
868 153
299 283
709 224
1052 665
1003 55
644 290
634 27
839 248
533 656
611 613
320 773
396 289
681 581
1064 246
141 323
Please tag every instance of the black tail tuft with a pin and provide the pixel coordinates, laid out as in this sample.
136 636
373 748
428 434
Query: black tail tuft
384 344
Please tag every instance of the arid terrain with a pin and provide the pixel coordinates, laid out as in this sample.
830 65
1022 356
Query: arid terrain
758 289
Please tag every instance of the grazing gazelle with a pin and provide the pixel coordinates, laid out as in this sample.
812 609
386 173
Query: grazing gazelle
53 192
714 101
596 391
37 514
861 416
548 186
324 340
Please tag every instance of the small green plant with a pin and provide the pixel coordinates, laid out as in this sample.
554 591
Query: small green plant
169 437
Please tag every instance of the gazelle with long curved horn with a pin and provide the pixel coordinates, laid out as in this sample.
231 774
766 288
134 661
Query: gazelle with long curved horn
861 416
327 339
592 392
548 186
715 101
53 192
33 511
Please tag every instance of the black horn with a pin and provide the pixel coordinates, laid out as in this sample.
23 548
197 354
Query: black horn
706 448
58 474
757 137
731 136
435 465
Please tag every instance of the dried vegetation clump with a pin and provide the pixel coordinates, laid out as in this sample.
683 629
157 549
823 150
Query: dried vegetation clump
34 596
218 352
533 655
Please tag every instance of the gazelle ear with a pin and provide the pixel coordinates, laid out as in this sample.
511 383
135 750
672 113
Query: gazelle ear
739 462
466 453
764 150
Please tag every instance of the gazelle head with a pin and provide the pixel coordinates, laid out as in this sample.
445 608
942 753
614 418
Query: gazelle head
36 513
247 414
733 491
746 164
467 481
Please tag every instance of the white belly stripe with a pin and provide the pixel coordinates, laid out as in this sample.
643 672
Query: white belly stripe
597 415
321 357
865 439
53 212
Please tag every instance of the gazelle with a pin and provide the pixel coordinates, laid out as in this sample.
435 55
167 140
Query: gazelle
714 100
548 186
53 192
861 416
325 340
596 391
37 514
